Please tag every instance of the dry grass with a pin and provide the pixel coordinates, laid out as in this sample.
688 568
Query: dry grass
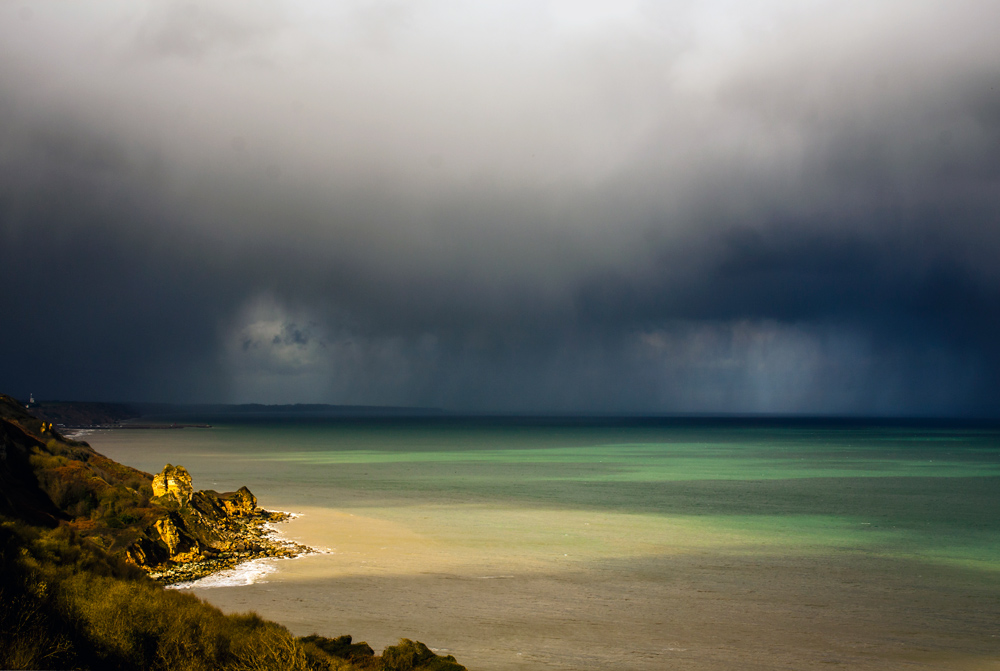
64 603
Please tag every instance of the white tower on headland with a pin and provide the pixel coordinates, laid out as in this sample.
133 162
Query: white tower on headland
31 398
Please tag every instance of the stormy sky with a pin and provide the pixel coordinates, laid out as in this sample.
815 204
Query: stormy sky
504 205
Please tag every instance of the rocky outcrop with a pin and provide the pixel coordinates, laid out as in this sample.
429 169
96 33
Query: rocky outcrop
159 523
200 532
181 546
96 511
173 482
241 503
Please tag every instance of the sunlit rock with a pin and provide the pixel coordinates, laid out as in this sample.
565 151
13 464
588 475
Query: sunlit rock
173 482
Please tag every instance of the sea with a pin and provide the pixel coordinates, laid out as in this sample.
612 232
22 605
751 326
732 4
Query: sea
616 543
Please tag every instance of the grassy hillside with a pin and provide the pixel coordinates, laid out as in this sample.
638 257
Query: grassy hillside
69 598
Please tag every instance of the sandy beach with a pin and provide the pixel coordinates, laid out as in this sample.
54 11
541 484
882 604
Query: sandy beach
633 554
689 609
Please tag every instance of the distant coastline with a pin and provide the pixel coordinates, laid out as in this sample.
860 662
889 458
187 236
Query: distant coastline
86 415
71 417
136 426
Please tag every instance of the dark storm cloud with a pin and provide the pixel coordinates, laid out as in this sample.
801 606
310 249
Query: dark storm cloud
514 206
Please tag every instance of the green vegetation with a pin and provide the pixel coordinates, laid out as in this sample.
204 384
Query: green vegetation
70 600
64 603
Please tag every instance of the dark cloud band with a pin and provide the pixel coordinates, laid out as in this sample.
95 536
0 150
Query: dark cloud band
504 207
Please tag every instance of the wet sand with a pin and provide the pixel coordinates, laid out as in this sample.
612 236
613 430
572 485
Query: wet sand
709 602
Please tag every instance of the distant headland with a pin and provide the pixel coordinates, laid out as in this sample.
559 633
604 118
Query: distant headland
93 415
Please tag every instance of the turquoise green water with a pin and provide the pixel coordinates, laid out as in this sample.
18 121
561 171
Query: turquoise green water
622 544
920 491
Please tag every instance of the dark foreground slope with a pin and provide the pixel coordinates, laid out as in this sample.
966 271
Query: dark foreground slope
71 598
159 523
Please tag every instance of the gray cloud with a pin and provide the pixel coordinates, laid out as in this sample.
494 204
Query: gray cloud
752 207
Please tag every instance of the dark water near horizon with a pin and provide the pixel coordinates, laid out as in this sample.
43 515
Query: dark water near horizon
893 525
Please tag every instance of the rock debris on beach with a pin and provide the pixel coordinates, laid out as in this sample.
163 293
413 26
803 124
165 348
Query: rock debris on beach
204 532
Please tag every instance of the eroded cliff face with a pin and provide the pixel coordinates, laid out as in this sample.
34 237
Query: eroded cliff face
96 509
181 547
202 531
159 523
173 482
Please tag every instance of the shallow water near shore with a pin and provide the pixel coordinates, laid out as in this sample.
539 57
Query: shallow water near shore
628 544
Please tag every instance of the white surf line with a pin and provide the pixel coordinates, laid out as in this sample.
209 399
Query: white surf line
247 573
254 571
74 434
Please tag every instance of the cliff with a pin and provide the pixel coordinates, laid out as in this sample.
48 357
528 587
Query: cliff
201 532
81 537
159 523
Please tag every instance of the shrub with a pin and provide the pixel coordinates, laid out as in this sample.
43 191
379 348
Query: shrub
65 604
415 656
